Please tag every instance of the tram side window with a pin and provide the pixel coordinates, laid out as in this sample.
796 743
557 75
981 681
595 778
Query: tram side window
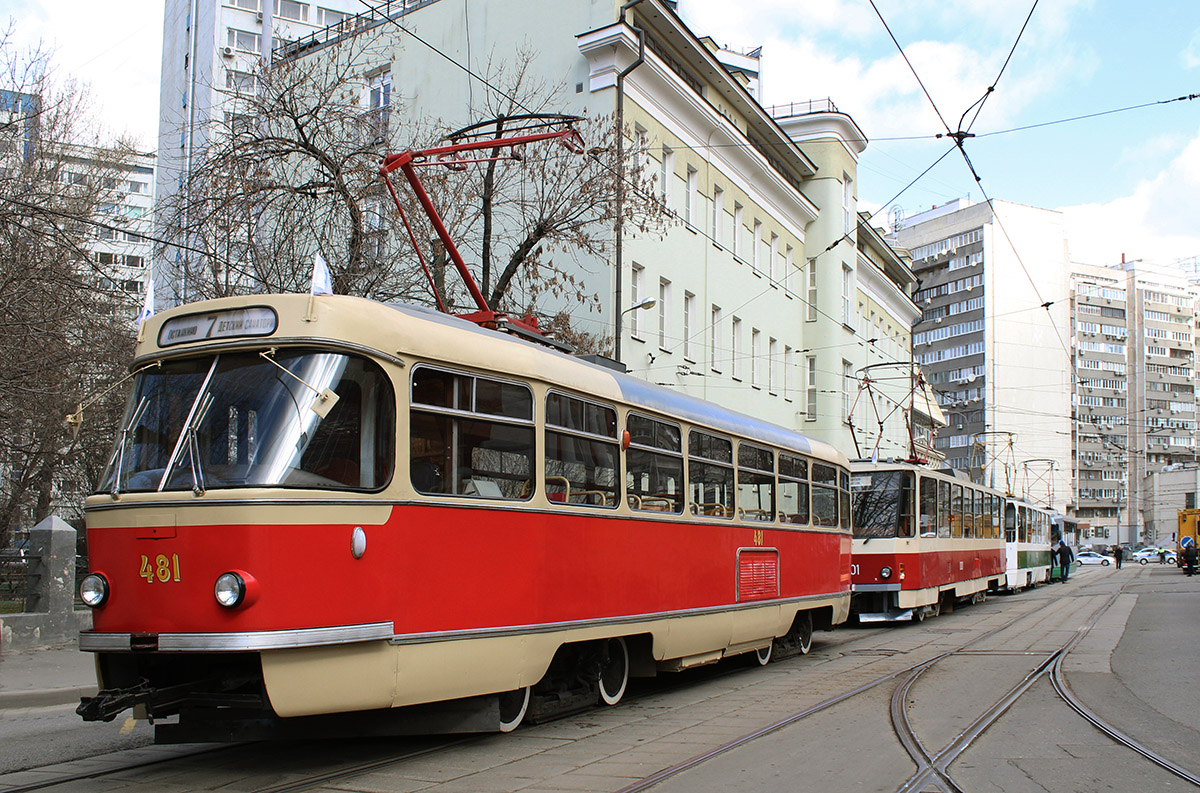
1022 524
825 496
654 465
470 436
756 483
844 500
956 511
981 529
928 507
581 452
994 516
793 489
710 474
943 528
968 512
1010 523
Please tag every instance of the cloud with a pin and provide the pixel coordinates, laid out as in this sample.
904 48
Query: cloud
1156 222
1191 53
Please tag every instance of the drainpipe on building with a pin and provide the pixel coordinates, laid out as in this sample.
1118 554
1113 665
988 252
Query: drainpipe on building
620 220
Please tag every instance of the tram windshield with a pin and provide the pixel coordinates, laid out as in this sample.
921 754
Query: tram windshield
883 504
293 418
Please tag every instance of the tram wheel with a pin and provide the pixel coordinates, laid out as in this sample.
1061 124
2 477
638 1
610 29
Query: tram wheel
763 655
513 707
614 671
918 614
804 632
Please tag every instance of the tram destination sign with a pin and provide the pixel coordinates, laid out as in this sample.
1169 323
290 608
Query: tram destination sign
231 324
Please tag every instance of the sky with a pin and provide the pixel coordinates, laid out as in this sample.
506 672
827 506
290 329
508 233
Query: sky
1126 182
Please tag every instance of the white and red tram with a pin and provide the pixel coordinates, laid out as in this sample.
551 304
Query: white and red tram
923 539
329 505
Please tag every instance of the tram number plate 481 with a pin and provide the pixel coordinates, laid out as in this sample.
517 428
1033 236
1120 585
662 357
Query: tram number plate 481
161 568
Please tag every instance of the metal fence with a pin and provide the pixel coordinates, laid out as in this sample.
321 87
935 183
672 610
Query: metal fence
14 581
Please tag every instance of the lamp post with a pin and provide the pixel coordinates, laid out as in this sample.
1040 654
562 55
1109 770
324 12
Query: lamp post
649 302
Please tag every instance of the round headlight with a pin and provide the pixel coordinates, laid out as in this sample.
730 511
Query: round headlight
885 572
229 590
93 590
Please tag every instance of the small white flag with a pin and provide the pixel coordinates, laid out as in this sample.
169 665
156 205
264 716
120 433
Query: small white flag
322 282
148 305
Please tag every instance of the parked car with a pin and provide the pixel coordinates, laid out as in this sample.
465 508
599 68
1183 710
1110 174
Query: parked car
1151 555
1091 557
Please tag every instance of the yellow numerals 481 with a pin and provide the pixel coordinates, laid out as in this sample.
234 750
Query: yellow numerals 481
164 568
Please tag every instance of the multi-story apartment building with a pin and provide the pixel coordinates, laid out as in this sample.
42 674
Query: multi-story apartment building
1135 398
993 340
212 50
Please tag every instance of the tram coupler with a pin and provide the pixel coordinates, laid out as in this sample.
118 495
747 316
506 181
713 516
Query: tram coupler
111 701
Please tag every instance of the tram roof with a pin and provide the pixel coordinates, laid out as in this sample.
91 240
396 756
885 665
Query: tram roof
454 341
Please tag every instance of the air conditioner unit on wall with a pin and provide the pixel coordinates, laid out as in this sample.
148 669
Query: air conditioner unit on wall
227 52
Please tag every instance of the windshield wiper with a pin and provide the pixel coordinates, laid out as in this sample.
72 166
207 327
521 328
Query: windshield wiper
194 457
187 434
134 420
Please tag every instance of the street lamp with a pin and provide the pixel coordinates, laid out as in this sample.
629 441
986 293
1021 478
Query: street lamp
649 302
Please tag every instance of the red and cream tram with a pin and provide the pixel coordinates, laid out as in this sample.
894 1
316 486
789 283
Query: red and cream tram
329 505
922 540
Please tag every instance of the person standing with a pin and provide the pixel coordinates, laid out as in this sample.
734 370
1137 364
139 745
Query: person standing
1191 557
1065 557
1117 554
1162 555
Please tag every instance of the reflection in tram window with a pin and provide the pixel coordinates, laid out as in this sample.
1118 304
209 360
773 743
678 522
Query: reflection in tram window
756 483
793 489
470 436
581 452
257 420
654 465
929 505
710 474
825 497
883 502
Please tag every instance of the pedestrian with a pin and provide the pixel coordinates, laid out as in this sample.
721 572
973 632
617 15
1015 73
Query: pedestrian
1191 556
1162 555
1117 554
1065 557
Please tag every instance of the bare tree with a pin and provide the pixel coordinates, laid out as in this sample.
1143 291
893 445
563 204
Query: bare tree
65 323
295 171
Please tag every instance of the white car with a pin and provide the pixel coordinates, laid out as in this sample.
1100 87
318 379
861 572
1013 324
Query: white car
1091 557
1151 556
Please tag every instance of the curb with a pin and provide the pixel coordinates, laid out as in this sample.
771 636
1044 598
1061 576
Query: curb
45 697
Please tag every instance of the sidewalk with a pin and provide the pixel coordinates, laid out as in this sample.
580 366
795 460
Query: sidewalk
57 675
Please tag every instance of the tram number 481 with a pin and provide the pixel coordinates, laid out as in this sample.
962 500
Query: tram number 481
164 568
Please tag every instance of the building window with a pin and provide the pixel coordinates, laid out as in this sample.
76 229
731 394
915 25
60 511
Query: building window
772 368
667 175
847 204
664 314
847 287
244 41
329 17
773 254
811 406
714 338
735 348
847 388
718 211
789 364
755 245
689 308
287 9
811 316
635 297
240 82
755 357
739 228
689 200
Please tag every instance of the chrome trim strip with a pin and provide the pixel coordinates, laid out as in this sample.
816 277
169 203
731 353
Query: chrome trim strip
876 587
521 630
238 642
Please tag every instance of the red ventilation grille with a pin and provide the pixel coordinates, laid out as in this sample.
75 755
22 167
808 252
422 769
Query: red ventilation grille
758 575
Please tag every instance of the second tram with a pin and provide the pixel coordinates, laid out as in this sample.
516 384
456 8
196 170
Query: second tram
922 540
1027 537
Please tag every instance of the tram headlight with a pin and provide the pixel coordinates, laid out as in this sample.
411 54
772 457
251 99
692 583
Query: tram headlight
885 573
93 590
236 588
230 590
